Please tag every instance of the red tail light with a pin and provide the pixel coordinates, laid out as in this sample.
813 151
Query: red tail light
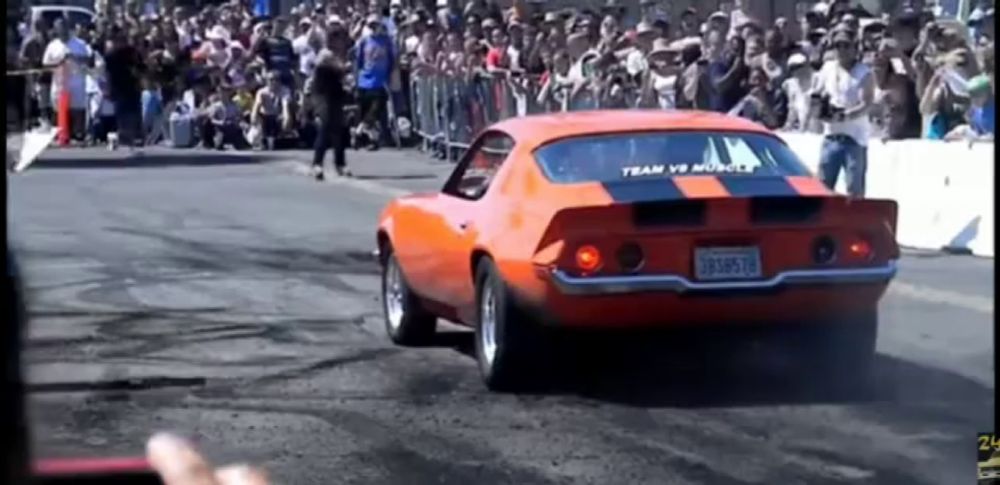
588 258
860 249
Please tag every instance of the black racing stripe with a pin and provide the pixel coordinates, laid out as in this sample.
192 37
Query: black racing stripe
750 186
648 190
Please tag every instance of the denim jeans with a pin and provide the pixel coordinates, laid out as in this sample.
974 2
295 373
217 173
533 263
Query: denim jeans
841 152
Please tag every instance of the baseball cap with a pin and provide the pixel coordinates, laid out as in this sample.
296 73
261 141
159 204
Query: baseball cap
978 83
797 59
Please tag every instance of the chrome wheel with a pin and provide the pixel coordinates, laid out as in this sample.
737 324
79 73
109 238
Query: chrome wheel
488 324
393 294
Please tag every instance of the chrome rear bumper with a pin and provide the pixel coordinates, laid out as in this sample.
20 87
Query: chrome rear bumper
672 283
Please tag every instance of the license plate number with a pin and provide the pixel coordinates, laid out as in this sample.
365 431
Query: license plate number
731 263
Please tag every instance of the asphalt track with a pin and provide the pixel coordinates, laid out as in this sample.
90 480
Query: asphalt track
231 299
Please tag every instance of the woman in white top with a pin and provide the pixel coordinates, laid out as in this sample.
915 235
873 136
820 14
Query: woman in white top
796 88
659 86
557 90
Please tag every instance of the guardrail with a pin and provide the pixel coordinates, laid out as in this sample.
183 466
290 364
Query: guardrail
448 111
944 189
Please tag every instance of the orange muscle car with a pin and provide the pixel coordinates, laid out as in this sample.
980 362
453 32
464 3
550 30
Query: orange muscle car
629 219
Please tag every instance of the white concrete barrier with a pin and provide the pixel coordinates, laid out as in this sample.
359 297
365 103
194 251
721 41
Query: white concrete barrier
944 189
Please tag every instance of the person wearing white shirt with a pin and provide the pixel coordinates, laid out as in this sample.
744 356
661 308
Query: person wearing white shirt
843 92
72 55
796 88
300 44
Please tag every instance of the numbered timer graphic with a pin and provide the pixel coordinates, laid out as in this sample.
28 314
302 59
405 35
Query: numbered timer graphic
988 451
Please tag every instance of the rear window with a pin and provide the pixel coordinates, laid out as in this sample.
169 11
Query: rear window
618 157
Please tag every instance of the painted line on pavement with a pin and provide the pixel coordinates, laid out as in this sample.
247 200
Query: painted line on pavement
927 294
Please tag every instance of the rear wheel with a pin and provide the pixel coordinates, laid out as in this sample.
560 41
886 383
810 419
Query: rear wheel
507 341
406 321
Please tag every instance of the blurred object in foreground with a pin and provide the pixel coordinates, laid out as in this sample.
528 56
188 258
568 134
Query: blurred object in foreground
24 148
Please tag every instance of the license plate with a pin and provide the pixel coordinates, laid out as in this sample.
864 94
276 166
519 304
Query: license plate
729 263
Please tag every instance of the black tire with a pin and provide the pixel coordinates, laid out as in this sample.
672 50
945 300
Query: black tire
514 365
840 353
412 325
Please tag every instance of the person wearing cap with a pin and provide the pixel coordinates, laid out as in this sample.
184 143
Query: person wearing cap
718 21
659 86
636 57
304 30
214 52
844 93
374 62
797 84
982 114
411 33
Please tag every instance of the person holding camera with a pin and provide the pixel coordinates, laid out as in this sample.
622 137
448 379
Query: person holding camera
844 91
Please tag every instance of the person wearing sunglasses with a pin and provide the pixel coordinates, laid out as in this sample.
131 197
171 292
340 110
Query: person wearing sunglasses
843 92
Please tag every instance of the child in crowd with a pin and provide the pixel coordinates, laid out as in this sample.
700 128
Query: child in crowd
223 126
270 110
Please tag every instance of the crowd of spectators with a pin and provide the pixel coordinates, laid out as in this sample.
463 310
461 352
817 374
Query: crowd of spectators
225 75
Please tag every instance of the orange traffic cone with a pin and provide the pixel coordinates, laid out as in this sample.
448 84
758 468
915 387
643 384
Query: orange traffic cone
62 113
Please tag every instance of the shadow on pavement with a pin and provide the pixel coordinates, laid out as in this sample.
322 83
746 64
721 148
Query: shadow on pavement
652 373
151 160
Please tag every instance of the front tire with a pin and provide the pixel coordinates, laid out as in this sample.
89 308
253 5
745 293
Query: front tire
507 341
406 321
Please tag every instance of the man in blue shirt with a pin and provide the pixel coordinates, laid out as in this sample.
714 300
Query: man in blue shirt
375 61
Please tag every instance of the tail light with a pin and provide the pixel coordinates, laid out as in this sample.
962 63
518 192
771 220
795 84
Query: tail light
824 250
630 257
860 249
588 258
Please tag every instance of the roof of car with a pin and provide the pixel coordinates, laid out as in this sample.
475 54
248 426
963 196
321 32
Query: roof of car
536 130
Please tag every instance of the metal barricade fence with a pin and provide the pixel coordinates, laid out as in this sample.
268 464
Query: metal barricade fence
450 110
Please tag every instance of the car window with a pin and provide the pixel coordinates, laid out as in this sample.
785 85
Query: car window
479 166
608 158
79 18
50 17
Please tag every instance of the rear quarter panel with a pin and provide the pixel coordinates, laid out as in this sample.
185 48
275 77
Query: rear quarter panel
517 215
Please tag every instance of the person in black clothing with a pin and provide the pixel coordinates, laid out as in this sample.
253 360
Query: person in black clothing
278 53
328 93
125 65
